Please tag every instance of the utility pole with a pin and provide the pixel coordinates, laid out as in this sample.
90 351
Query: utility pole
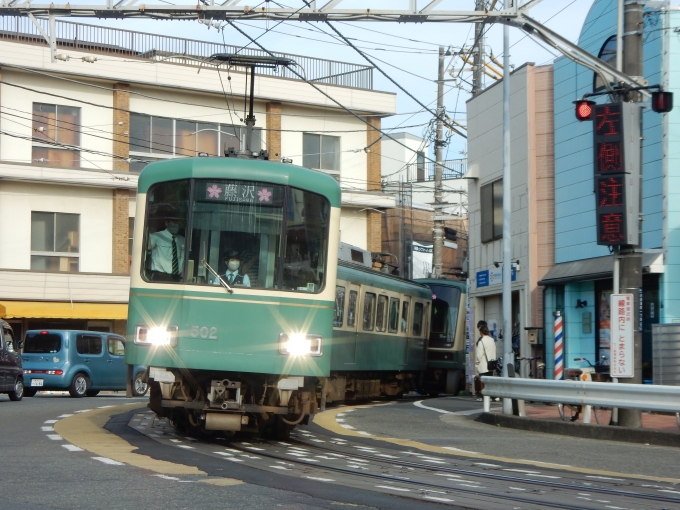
631 262
478 53
508 355
438 229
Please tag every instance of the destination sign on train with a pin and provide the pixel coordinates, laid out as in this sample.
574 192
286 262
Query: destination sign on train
241 192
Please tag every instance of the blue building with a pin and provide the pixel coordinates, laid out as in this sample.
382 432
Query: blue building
580 282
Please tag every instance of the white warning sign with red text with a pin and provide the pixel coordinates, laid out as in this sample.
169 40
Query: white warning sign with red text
622 335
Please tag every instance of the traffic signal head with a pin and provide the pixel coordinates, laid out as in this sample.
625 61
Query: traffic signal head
662 102
584 109
450 234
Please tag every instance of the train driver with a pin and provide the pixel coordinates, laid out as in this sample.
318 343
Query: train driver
232 259
167 252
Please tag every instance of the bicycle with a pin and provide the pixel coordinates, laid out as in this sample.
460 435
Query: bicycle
540 367
598 372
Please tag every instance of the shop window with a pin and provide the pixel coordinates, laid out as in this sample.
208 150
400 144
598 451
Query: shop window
491 204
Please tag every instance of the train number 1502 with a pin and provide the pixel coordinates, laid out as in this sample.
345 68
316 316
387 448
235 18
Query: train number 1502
203 332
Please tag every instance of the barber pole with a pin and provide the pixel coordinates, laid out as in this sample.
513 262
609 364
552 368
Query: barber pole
559 355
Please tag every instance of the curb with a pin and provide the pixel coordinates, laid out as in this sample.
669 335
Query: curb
622 434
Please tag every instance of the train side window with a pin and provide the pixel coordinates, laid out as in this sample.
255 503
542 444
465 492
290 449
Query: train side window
369 311
352 308
394 316
404 316
339 306
418 319
381 314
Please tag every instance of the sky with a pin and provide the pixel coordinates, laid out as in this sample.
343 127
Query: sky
406 52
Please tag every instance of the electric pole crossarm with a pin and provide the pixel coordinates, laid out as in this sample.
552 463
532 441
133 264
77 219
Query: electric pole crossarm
572 51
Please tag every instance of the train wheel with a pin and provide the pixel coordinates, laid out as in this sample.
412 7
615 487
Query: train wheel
281 429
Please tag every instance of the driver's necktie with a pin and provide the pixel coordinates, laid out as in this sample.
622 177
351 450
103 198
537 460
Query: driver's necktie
175 260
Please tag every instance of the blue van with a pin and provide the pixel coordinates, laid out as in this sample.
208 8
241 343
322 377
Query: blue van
81 362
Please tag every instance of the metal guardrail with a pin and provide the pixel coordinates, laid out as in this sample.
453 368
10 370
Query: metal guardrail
646 397
131 44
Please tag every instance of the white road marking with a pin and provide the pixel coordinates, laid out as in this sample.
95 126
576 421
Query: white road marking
47 429
176 440
584 498
64 416
185 446
672 492
320 479
393 488
615 507
310 460
72 448
605 478
434 461
459 450
255 448
364 433
602 501
280 467
472 486
486 465
83 411
55 437
522 471
347 427
386 456
250 456
233 459
420 404
321 440
108 461
224 453
517 488
51 421
356 466
543 476
166 477
447 475
443 500
340 420
430 458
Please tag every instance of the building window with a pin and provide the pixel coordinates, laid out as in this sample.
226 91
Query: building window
607 54
56 127
54 242
158 138
321 152
491 200
420 166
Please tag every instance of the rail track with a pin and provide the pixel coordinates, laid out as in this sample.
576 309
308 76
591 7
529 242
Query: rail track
445 479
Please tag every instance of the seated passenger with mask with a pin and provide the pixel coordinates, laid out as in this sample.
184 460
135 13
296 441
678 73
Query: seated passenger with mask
232 276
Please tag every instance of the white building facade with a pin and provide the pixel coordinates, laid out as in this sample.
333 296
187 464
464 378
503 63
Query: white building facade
75 132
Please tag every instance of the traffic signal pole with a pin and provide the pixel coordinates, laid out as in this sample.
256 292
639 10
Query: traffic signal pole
630 277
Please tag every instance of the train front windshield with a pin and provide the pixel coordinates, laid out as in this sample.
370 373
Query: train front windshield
276 236
445 302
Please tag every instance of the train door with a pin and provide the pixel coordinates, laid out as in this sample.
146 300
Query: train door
400 341
345 332
405 325
417 331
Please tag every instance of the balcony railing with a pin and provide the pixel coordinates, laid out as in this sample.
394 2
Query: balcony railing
130 44
453 169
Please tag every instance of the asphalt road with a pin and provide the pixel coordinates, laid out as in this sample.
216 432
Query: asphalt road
39 472
42 469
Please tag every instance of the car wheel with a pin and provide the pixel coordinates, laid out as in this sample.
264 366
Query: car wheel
92 393
18 392
79 386
139 387
29 392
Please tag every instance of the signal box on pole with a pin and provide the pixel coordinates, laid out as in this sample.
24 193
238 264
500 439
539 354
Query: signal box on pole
617 173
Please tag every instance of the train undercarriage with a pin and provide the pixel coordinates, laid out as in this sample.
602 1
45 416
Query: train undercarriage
207 403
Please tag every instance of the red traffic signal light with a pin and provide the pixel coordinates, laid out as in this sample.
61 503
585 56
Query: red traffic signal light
584 109
662 102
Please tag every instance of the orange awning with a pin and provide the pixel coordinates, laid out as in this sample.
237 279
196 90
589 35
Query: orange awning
61 310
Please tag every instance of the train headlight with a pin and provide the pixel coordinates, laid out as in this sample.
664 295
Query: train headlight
157 336
299 344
